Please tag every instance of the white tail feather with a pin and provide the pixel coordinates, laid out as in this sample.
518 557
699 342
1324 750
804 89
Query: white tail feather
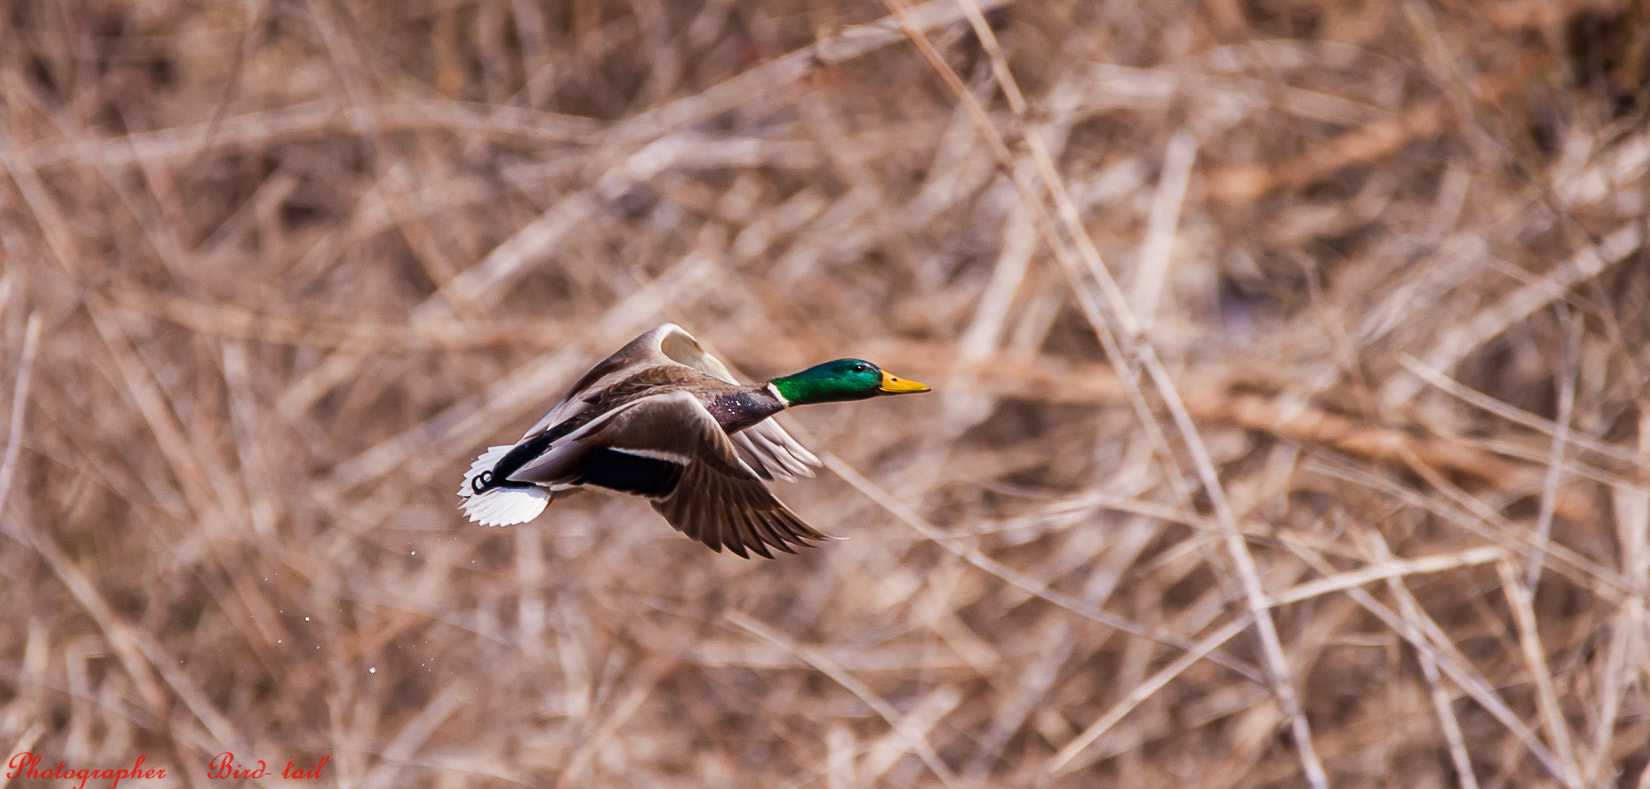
506 506
500 506
486 462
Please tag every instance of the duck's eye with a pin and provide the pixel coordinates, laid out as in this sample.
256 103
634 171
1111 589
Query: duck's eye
862 368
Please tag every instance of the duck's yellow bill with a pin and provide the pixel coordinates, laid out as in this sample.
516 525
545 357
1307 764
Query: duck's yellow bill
895 385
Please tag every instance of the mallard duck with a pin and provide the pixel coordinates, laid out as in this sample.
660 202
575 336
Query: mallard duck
665 420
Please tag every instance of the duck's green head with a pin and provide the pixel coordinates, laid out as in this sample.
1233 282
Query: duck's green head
843 379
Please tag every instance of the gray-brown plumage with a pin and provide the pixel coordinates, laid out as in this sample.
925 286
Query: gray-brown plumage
664 420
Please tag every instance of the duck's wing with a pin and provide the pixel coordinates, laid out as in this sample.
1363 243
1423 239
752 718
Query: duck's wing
644 351
776 453
668 448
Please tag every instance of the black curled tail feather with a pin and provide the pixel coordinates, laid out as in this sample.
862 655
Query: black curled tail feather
487 473
521 455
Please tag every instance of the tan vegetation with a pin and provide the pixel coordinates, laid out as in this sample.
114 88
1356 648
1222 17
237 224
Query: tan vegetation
1289 423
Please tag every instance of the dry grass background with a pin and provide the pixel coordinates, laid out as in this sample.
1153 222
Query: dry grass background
275 271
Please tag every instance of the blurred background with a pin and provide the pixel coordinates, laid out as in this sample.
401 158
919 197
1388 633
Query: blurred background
1289 425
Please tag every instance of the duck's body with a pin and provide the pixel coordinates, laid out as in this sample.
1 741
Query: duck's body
665 420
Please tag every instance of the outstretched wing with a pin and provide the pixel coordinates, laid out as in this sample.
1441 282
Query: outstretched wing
776 453
670 449
635 355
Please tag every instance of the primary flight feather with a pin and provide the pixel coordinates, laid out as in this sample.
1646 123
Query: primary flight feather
665 420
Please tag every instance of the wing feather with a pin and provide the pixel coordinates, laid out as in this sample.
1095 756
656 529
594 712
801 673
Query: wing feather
718 500
644 351
774 450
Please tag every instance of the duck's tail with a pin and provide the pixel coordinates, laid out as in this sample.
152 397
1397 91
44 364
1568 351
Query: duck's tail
506 506
503 506
482 465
